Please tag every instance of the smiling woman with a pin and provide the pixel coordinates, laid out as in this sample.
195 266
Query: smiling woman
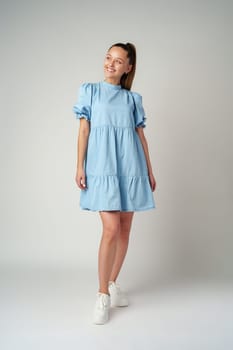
114 170
120 64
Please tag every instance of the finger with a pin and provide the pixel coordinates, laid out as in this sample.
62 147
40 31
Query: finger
83 182
153 186
79 182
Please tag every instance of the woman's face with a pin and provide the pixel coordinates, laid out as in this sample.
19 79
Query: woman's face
116 63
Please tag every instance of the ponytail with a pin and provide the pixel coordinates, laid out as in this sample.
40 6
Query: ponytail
127 79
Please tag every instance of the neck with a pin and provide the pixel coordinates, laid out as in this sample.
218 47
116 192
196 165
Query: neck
112 81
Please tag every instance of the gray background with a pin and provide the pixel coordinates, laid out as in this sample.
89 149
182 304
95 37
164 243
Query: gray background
184 73
185 76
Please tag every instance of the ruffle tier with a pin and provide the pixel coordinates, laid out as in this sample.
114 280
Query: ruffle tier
120 193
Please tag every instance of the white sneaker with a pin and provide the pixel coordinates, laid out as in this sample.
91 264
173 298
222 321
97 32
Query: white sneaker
118 298
101 312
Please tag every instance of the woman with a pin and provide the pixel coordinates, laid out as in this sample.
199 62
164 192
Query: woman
114 170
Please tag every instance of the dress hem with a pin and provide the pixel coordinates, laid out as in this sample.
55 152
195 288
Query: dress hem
121 210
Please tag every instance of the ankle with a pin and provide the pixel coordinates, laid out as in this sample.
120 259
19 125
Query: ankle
103 291
112 281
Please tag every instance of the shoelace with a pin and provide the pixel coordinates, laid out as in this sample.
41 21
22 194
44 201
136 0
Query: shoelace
118 289
102 303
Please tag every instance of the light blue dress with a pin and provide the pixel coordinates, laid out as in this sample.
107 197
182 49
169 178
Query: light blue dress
115 164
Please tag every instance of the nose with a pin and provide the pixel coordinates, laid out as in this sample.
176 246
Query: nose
111 62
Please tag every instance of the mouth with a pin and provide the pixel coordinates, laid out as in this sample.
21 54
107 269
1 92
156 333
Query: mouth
111 70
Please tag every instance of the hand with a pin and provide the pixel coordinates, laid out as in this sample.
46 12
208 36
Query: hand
152 182
80 179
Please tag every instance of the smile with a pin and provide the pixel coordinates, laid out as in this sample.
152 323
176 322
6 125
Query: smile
110 70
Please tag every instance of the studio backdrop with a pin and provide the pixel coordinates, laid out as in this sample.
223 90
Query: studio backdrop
184 73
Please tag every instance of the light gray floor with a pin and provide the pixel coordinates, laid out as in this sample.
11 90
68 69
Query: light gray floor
53 310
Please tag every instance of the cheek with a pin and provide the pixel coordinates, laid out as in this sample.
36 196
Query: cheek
121 68
126 66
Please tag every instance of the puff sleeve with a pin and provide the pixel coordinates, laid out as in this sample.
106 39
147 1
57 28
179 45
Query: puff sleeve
139 113
82 108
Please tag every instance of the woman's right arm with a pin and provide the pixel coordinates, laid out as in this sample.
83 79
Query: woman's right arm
83 135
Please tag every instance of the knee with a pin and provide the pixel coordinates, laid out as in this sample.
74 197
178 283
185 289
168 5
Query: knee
125 230
111 232
124 234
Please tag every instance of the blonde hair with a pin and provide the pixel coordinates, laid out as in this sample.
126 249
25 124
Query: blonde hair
127 79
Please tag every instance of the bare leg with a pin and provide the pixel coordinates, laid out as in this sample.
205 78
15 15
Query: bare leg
122 243
107 249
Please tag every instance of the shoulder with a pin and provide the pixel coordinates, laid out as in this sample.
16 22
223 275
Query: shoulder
86 86
136 97
135 94
89 88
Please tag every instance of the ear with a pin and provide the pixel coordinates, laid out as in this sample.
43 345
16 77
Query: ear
130 66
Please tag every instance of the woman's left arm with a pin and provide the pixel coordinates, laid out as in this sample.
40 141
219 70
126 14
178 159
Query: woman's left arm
144 143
